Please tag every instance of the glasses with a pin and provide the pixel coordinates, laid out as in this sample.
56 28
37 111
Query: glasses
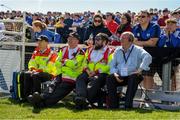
171 22
124 18
97 21
142 16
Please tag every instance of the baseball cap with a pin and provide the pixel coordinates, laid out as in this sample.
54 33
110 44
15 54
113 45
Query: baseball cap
42 37
74 34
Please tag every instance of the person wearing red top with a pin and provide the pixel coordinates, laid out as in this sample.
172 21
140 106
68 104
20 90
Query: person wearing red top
165 16
125 26
110 23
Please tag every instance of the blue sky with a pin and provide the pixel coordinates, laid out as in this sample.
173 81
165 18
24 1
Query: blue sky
84 5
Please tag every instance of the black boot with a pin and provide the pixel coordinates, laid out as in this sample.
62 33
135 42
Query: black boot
80 103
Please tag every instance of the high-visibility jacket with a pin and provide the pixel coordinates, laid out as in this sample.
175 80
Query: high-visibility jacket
70 68
102 66
43 61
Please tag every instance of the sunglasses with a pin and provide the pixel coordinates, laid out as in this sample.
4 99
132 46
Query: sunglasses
124 18
97 21
171 22
142 16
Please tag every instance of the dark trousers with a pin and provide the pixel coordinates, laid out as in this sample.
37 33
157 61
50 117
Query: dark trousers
32 82
90 87
131 81
61 90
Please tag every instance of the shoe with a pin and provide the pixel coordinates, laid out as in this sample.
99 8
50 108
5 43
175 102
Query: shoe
80 103
30 99
36 100
37 97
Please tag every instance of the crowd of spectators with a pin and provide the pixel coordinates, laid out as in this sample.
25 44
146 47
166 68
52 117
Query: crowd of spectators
88 24
151 28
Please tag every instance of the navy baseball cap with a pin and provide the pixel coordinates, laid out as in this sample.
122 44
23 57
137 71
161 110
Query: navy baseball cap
74 34
42 37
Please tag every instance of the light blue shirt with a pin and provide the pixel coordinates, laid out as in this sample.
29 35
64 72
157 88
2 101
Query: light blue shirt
138 58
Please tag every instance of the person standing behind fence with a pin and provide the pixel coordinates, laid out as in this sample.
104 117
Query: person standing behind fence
147 35
128 63
40 28
170 37
40 67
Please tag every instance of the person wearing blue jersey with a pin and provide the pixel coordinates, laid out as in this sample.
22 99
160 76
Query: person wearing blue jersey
170 36
146 35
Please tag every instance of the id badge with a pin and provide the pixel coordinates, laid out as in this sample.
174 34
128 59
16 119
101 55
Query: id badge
124 71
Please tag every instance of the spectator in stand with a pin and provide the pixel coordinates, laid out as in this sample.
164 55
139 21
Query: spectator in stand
76 20
135 21
123 27
146 35
117 18
133 14
82 28
165 16
46 20
170 36
1 15
2 27
61 28
36 17
29 18
40 29
68 20
86 21
97 27
176 15
111 24
154 17
50 18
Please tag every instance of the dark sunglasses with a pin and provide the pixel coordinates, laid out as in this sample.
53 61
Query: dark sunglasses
171 22
99 21
142 16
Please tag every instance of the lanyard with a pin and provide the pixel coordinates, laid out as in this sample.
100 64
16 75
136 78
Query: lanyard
126 59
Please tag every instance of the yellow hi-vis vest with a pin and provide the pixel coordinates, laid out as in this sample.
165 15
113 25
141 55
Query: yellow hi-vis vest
70 68
42 61
101 66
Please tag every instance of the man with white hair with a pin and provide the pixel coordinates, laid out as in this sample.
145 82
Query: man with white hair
126 68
